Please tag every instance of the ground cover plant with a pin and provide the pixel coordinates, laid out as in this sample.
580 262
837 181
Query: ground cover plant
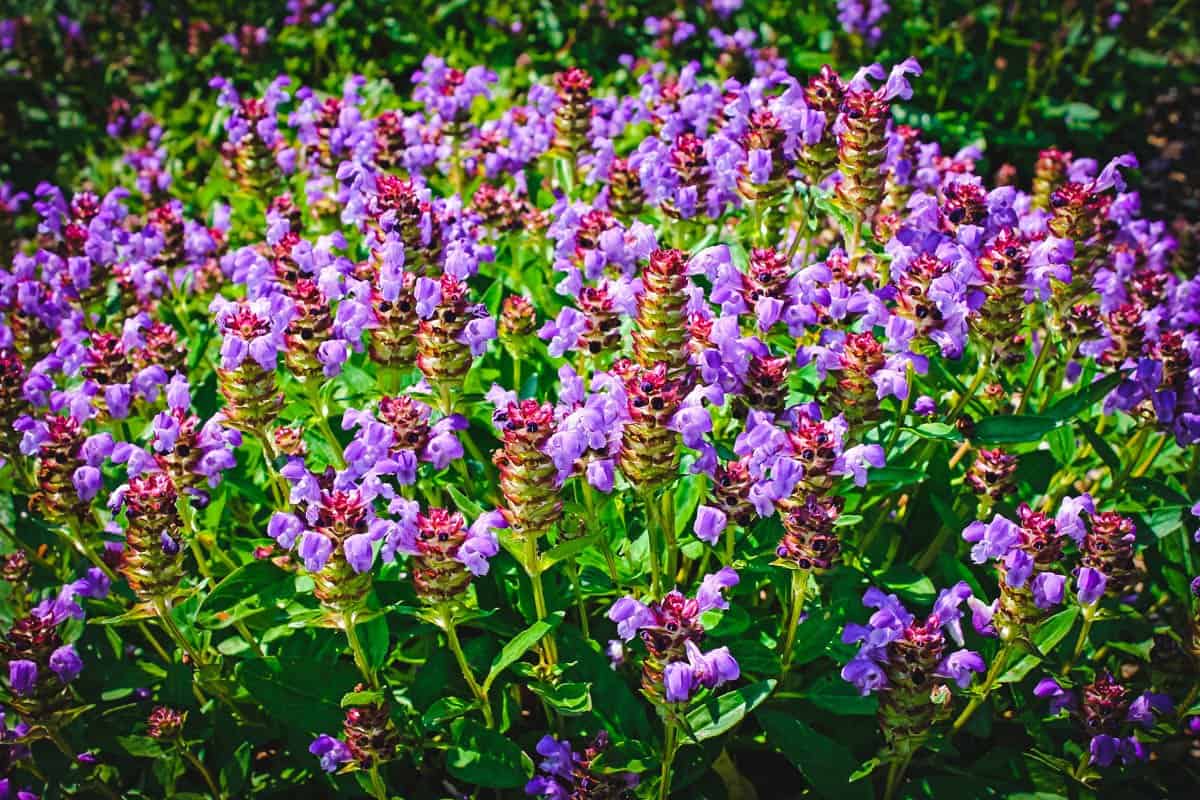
653 428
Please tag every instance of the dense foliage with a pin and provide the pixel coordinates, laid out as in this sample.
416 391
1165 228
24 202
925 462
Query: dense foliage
699 422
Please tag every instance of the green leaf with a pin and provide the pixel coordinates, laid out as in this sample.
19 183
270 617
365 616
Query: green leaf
1046 636
825 764
1085 398
367 698
296 691
570 699
465 504
245 590
937 430
444 710
831 693
718 714
140 746
568 548
1012 429
519 644
1100 446
895 476
485 758
624 756
909 584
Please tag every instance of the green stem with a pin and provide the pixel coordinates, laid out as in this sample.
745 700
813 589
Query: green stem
670 744
1031 381
730 541
533 568
895 776
652 522
378 789
360 655
573 571
168 622
668 527
203 770
589 503
1089 614
904 407
988 683
451 629
321 413
935 547
799 589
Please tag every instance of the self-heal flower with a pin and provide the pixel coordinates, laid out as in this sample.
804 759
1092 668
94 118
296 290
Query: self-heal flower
1090 585
710 522
66 663
22 676
332 752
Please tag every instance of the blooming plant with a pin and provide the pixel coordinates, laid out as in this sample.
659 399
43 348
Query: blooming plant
652 434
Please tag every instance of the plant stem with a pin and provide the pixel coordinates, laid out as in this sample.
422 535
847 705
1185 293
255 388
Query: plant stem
904 407
203 770
1030 382
533 568
895 776
668 757
652 522
1089 614
322 417
799 588
589 503
378 789
668 527
360 656
168 623
451 629
573 571
730 541
988 683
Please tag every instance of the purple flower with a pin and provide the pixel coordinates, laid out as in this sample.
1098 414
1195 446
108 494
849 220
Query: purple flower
960 665
332 752
22 676
1060 698
284 528
925 406
679 679
481 542
315 549
630 615
713 668
88 481
1090 585
359 552
1143 710
865 674
1048 589
66 663
991 540
710 523
1069 520
557 758
709 595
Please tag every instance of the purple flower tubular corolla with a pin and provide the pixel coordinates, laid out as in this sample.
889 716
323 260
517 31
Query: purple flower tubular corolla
565 773
906 662
1108 713
675 668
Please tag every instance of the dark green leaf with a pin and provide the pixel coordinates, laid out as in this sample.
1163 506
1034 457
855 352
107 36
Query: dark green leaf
1012 429
485 758
825 764
570 699
1085 398
519 644
718 714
